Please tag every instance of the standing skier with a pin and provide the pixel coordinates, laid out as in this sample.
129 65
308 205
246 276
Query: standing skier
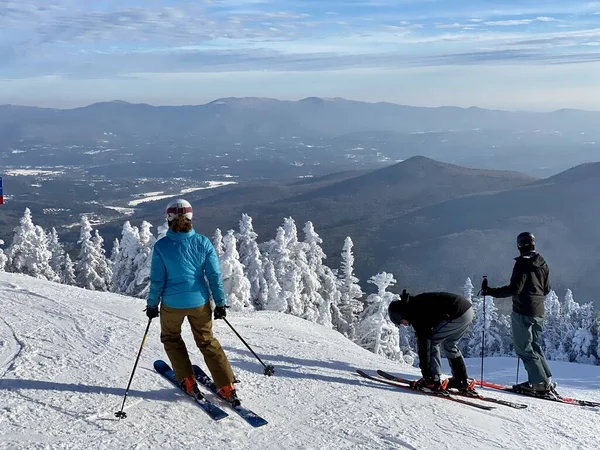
182 263
529 285
438 318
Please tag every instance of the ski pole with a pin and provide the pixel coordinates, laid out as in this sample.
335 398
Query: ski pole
121 414
518 364
269 369
483 337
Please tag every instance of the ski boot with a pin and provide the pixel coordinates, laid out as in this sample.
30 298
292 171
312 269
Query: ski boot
229 394
190 386
542 389
465 386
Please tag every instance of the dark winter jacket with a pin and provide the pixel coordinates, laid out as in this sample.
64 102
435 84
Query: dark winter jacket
424 312
529 285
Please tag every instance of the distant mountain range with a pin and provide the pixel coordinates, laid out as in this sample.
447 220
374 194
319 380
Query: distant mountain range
263 117
432 224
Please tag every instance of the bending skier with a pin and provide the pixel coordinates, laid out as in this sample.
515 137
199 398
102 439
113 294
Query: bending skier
529 285
438 318
182 262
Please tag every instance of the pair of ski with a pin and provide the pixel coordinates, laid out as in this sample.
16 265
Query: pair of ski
552 397
454 396
214 411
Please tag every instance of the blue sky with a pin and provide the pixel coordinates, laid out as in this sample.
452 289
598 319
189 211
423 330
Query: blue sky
514 54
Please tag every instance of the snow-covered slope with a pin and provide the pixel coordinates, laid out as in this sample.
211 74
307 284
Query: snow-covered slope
66 356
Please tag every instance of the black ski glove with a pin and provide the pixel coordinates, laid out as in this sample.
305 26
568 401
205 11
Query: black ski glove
151 311
484 286
220 312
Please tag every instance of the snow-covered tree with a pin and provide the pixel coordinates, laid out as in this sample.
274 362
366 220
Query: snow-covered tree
68 275
251 259
89 261
142 262
350 305
162 230
115 252
494 340
235 283
553 346
3 257
123 266
585 340
408 344
57 261
275 296
217 241
287 273
468 289
104 266
375 331
29 252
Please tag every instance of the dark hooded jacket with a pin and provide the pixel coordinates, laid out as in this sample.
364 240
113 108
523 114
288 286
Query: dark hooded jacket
424 312
529 285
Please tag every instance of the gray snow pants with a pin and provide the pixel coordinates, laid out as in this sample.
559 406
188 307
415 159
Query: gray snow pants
447 333
527 340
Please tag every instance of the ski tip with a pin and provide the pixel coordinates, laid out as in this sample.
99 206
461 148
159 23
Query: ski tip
160 365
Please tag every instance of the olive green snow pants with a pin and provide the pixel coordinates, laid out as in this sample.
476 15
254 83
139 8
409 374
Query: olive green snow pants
527 340
200 319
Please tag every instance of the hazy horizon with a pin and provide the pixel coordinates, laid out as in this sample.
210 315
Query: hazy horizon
501 54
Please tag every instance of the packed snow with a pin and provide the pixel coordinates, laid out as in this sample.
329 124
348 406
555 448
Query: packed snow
66 355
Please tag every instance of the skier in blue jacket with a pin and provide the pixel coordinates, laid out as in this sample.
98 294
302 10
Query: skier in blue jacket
184 266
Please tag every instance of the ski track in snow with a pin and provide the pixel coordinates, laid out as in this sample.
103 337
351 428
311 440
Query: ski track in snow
66 355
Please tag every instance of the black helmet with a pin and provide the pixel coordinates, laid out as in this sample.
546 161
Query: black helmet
526 241
395 312
396 308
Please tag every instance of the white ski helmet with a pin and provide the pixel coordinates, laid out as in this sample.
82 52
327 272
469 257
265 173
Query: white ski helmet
179 207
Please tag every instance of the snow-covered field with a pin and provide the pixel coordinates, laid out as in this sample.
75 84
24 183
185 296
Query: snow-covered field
66 355
153 196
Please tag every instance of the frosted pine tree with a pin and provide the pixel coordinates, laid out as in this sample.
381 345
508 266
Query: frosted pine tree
568 325
162 230
89 260
494 341
3 257
237 286
350 305
287 273
57 261
104 266
468 289
375 331
68 275
408 344
115 252
123 266
250 257
275 296
585 340
29 252
327 296
142 262
217 241
553 346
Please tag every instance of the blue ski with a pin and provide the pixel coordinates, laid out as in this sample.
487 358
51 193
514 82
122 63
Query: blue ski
210 408
249 416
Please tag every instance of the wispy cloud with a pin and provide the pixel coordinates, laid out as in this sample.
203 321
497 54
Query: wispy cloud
108 39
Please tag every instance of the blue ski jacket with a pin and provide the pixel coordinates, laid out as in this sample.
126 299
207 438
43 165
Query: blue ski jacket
182 263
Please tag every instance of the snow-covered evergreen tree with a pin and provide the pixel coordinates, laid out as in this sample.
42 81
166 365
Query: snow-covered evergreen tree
162 230
123 266
287 273
350 305
217 241
235 283
468 289
494 340
375 331
104 266
251 259
68 275
408 344
275 296
585 340
142 262
57 261
553 346
3 257
115 252
89 261
29 252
